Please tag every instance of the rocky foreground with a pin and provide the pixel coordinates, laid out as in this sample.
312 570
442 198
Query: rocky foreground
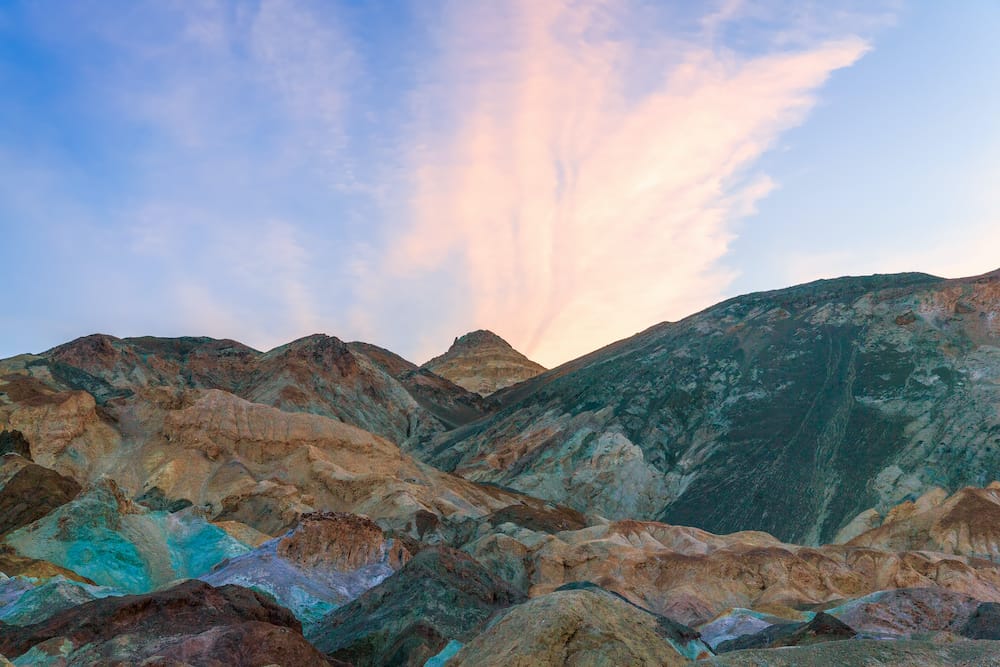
194 501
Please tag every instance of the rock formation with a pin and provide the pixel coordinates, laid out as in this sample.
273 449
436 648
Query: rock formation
966 523
217 626
440 595
484 363
328 560
692 576
580 627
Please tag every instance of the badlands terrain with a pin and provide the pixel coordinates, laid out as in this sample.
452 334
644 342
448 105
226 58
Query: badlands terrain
809 476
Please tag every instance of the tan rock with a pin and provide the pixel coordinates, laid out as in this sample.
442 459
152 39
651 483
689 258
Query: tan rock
339 541
576 628
482 362
965 523
692 576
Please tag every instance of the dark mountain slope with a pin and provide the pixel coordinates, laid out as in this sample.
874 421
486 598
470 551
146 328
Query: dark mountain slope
787 411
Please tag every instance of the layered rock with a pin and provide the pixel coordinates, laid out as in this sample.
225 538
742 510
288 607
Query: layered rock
788 411
580 627
189 623
693 576
967 523
484 363
440 595
240 461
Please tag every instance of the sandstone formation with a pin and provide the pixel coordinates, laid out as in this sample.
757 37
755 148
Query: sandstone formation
191 622
440 595
788 411
578 628
484 363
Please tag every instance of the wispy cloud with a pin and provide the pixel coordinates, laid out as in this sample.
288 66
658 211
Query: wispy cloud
587 185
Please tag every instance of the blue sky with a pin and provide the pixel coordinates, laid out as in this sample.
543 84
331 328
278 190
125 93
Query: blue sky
562 172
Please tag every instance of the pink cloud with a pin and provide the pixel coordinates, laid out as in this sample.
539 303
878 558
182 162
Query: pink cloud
583 213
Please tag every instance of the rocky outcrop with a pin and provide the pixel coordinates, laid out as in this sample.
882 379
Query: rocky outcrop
580 627
28 492
14 442
984 623
440 595
484 363
966 523
190 623
328 560
451 404
340 541
905 612
788 411
104 536
693 576
26 600
821 628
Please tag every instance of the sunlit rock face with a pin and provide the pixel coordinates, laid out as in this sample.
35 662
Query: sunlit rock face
189 622
484 363
788 411
235 460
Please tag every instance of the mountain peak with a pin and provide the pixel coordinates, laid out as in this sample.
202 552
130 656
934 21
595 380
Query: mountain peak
483 362
479 338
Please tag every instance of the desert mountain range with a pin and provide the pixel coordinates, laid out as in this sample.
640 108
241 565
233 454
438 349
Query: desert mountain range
813 468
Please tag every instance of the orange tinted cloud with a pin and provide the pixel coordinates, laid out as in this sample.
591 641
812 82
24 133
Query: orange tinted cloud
589 185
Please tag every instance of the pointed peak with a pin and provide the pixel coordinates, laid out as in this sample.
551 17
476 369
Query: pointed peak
479 338
483 362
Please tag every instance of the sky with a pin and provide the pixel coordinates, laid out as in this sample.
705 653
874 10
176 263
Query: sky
562 172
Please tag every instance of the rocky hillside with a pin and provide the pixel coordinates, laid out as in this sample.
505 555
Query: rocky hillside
484 363
788 411
358 384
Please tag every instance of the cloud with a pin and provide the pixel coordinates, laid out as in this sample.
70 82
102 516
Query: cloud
585 186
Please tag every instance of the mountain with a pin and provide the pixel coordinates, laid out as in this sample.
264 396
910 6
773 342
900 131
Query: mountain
484 363
355 383
788 411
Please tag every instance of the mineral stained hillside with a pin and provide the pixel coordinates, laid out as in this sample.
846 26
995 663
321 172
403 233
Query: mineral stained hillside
484 363
789 411
781 479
